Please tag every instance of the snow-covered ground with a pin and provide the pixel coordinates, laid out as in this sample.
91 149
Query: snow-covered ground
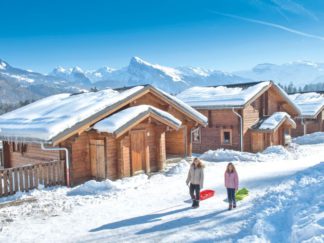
286 204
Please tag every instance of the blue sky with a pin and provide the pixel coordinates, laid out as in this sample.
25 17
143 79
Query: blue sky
221 34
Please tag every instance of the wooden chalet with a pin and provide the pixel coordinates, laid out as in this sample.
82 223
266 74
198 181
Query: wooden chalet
311 118
247 117
105 134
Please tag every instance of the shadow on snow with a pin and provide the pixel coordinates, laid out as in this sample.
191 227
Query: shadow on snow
138 220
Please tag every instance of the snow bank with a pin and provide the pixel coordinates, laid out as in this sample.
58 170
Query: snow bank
289 212
221 155
92 188
108 187
178 168
273 152
313 138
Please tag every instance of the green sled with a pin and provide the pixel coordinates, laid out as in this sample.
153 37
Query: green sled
241 194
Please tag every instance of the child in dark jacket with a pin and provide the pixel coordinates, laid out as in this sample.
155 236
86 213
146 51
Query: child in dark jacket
231 184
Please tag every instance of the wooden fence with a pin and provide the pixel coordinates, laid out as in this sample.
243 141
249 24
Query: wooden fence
28 177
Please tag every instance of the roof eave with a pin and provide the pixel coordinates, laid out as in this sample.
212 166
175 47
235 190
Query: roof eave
133 122
193 117
92 119
25 139
218 107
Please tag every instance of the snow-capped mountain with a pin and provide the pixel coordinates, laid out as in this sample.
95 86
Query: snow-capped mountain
21 85
100 74
299 73
73 75
172 80
17 85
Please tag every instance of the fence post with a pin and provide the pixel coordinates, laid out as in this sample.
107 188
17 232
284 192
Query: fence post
36 175
21 179
5 182
26 178
15 175
10 180
1 184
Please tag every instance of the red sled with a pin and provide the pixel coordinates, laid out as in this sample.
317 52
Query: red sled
205 194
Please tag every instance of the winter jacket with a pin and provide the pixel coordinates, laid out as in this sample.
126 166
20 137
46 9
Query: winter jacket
231 180
196 176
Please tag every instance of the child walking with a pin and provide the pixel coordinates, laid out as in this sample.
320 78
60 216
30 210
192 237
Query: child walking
231 184
196 180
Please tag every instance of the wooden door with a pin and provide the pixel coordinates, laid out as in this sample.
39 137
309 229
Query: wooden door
137 151
98 162
257 141
281 135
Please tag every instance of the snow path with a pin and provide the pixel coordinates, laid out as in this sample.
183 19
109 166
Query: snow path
156 209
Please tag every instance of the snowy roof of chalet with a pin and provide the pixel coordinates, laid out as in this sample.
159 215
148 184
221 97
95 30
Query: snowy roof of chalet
184 106
45 118
230 96
274 121
58 115
121 120
310 103
220 96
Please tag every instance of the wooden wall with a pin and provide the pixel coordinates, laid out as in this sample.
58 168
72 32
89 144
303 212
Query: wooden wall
112 157
80 155
33 155
312 125
258 141
123 157
299 131
175 142
211 135
250 117
172 148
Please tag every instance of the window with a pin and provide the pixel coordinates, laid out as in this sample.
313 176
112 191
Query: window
196 135
226 137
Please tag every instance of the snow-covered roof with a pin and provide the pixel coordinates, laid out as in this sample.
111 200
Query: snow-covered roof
220 96
274 121
58 115
46 118
310 103
230 96
121 120
184 106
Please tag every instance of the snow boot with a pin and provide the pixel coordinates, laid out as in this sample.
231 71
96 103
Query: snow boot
197 203
193 203
230 207
234 205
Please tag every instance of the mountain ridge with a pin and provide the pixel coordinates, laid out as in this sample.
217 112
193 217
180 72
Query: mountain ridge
19 85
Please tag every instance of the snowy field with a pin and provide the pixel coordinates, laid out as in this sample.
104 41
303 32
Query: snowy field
286 203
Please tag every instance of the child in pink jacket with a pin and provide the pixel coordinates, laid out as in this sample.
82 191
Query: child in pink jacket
231 184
